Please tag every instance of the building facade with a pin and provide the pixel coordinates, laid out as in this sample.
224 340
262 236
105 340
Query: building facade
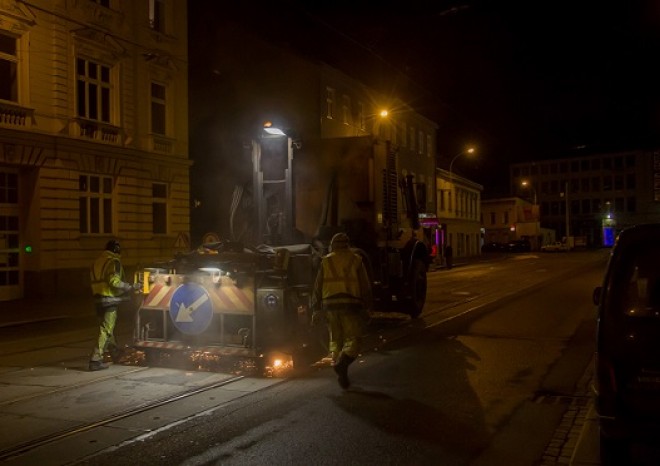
510 219
93 138
393 130
583 195
459 213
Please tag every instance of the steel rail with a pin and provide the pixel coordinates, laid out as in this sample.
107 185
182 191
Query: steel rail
32 396
18 450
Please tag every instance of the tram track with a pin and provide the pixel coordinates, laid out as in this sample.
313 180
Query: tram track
33 396
24 447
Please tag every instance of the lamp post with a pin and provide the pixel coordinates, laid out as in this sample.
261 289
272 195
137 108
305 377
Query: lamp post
452 201
527 184
568 214
536 214
469 150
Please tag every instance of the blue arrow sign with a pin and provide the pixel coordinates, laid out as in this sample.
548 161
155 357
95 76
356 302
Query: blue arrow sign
191 309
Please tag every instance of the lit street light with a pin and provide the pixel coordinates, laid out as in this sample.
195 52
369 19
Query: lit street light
452 195
527 184
536 216
469 150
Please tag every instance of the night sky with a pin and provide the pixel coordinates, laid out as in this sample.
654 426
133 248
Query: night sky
521 80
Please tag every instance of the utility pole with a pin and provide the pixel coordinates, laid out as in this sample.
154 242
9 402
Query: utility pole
568 218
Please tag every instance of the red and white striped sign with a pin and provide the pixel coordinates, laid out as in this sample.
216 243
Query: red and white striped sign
225 295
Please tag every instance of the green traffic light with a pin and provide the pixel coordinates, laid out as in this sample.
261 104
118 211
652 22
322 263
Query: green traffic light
28 249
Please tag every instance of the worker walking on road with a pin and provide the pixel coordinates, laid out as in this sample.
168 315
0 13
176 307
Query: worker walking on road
109 290
343 293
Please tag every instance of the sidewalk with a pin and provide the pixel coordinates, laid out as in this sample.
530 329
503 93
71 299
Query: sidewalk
575 441
33 310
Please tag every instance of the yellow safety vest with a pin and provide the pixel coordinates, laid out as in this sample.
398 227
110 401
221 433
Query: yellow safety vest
341 275
107 276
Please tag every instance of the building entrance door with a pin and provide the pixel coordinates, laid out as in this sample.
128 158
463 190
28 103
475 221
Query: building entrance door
10 272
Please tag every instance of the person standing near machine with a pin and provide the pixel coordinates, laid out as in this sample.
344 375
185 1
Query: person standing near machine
343 293
109 289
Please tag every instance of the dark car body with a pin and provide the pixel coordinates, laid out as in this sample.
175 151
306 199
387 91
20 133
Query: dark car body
627 380
520 245
492 247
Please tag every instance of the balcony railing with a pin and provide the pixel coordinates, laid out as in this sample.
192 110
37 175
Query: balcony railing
12 114
97 131
162 144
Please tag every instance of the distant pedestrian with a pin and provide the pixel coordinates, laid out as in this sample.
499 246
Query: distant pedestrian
109 289
343 293
449 256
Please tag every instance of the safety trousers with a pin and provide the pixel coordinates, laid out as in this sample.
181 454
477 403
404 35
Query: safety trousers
107 321
345 332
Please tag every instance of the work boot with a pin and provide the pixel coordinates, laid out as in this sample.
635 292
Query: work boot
341 369
97 366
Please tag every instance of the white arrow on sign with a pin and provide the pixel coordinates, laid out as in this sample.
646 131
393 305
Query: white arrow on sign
185 313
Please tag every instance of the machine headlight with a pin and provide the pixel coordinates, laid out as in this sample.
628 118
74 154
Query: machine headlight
213 272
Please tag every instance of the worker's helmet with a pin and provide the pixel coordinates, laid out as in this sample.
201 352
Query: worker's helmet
113 246
339 241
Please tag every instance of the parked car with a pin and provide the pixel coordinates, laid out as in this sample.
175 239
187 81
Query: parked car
492 247
627 372
520 245
556 246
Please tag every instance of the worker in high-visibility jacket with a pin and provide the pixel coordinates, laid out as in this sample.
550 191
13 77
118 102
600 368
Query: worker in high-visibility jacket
109 289
342 292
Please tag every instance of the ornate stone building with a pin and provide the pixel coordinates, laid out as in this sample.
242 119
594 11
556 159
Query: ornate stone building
93 138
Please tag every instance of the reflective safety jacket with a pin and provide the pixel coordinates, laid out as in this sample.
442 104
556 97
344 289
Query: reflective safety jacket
342 282
107 278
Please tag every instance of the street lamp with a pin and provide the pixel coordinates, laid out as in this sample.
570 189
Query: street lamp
469 150
568 211
374 122
527 184
568 215
536 214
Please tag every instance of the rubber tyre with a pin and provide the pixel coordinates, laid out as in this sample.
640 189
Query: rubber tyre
417 284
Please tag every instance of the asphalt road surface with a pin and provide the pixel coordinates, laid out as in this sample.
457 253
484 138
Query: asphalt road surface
482 379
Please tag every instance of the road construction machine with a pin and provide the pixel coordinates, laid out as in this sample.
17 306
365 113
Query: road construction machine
249 295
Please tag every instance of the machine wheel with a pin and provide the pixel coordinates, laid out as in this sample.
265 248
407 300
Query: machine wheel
417 284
